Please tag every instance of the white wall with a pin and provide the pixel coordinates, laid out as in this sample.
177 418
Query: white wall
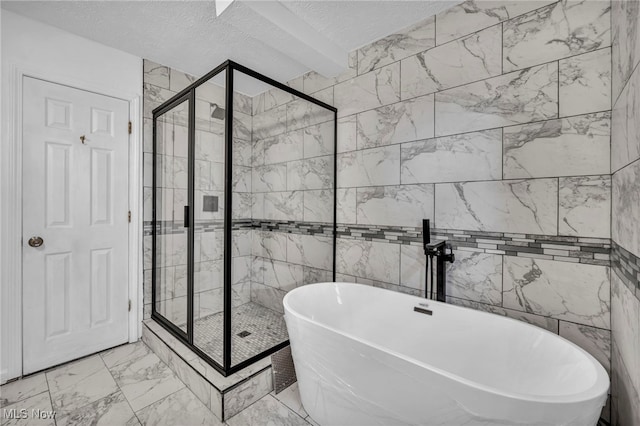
35 49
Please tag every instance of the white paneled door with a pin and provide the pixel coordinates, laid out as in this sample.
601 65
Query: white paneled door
75 223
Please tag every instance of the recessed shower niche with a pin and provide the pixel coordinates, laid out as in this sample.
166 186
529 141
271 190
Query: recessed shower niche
243 211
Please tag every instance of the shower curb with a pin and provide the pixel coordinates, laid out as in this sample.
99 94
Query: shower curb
223 396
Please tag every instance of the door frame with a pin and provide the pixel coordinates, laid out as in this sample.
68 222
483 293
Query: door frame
11 210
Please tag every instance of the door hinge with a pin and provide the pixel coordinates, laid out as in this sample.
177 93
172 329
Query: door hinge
129 305
129 216
130 127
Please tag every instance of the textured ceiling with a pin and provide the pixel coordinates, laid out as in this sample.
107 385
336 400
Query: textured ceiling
186 35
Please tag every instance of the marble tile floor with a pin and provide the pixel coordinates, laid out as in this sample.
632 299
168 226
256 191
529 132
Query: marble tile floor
129 385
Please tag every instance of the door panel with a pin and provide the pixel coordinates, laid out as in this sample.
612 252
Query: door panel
171 237
75 197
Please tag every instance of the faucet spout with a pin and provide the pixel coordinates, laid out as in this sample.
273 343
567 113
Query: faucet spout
437 249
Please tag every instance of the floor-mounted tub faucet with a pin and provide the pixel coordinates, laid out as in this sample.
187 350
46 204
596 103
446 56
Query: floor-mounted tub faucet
437 249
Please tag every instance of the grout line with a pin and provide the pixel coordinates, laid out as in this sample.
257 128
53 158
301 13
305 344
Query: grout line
558 92
558 206
53 407
502 154
502 48
626 82
477 131
502 281
474 81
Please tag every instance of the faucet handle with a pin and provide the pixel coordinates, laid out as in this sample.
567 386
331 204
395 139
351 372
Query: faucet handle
451 257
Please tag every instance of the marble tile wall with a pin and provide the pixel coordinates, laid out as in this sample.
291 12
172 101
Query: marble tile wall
495 122
292 183
625 227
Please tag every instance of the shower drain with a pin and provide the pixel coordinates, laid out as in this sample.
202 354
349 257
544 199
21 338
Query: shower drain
243 334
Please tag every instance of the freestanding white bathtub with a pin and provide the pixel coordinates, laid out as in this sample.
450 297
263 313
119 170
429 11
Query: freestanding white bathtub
363 356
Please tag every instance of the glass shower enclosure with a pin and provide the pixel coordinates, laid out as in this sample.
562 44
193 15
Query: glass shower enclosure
244 210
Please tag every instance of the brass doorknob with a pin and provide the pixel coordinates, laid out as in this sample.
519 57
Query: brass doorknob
35 241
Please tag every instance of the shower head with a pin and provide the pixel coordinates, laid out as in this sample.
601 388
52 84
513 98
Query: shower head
216 111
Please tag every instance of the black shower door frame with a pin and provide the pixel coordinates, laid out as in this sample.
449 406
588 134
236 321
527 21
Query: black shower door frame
189 94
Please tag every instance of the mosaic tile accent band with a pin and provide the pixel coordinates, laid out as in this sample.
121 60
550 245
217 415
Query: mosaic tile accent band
290 227
627 266
593 251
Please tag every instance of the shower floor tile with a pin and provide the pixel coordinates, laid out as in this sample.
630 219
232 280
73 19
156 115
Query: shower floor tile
265 328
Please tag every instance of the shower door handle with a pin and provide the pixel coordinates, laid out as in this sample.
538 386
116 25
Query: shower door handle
186 216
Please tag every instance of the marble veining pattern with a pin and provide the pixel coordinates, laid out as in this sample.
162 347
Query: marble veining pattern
80 383
412 267
525 206
625 320
110 410
269 178
268 410
291 398
318 140
596 341
23 389
466 157
566 291
409 41
404 205
267 296
270 99
145 380
547 323
318 205
347 134
368 167
313 82
302 113
565 147
585 206
284 205
312 173
474 15
284 147
282 275
156 74
556 31
476 276
272 245
514 98
367 259
310 250
463 61
40 402
626 42
269 123
585 83
247 393
346 205
400 122
367 91
625 130
626 205
180 407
